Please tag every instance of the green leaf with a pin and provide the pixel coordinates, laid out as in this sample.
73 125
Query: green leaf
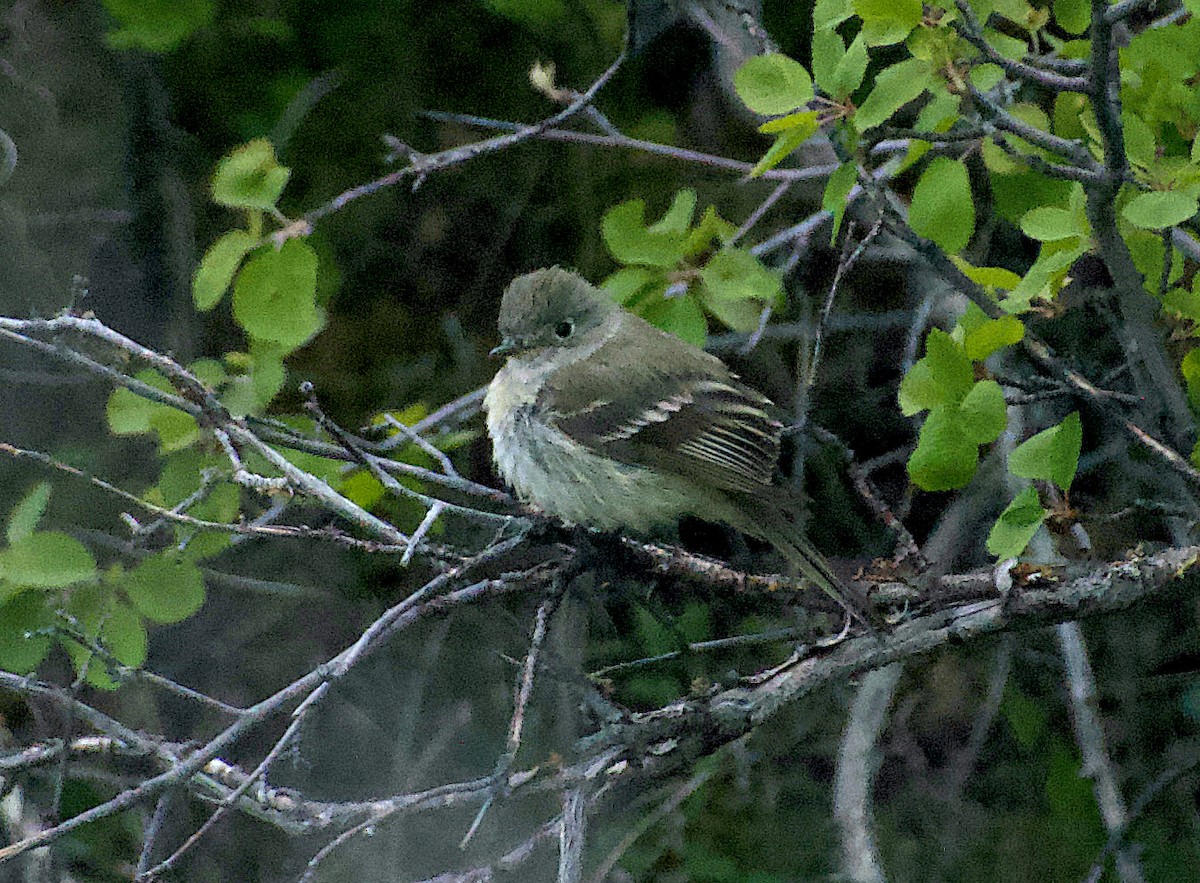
1159 209
631 242
156 25
888 21
836 69
1046 275
736 274
1073 16
1048 224
837 194
985 76
676 220
46 560
124 635
1190 367
129 413
992 335
274 297
165 588
942 208
895 86
216 269
989 277
848 75
1140 144
827 50
25 516
786 122
680 316
176 429
740 315
773 84
1016 526
22 647
942 377
831 13
945 458
530 12
1013 48
983 412
711 227
1183 303
787 141
1027 719
630 283
1052 454
1002 163
250 177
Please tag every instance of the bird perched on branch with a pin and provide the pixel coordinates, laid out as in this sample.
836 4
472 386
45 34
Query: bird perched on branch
601 419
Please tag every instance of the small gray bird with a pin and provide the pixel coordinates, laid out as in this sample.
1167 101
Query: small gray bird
601 419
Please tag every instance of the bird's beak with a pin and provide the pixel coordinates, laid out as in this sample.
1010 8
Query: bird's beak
507 347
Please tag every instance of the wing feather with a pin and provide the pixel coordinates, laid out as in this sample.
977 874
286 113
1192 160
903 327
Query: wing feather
689 416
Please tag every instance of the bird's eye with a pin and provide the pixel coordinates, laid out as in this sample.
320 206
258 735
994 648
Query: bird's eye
564 329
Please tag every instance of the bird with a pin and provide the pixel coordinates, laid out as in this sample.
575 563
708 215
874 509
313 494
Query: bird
600 419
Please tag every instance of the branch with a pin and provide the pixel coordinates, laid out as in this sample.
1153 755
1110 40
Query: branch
420 165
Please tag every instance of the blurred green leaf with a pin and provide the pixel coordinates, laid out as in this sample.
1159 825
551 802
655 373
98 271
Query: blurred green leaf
156 25
629 283
1016 526
680 316
274 296
250 177
1073 16
1052 454
24 518
1026 718
22 620
736 274
124 635
1190 366
773 84
531 12
165 588
1183 302
942 208
217 267
46 560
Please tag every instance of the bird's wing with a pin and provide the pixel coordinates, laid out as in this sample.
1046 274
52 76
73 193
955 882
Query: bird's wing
687 415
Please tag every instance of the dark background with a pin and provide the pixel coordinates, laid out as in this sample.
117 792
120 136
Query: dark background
116 148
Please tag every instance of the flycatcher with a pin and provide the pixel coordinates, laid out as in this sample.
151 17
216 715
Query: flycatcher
601 419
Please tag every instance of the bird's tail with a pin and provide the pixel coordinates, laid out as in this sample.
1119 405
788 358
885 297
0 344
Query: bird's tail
770 515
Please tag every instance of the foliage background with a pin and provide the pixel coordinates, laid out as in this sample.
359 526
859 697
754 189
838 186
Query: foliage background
117 146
